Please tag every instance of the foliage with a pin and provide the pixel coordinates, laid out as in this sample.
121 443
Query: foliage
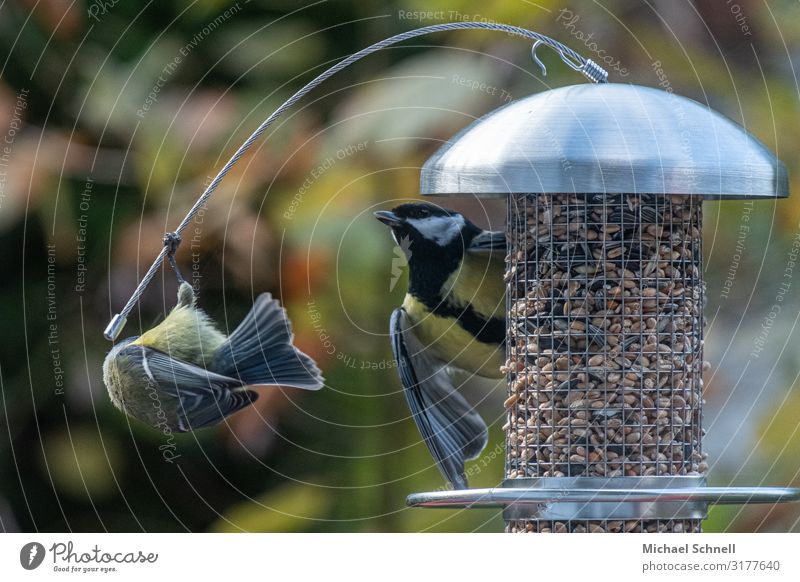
123 114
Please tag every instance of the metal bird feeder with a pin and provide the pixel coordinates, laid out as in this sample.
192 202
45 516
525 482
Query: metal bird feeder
605 293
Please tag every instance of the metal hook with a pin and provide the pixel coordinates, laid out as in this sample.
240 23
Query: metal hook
589 68
536 57
564 57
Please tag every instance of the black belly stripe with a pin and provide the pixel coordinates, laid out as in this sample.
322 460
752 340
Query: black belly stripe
488 331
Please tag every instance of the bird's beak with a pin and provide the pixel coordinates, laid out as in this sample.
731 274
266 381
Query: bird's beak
388 218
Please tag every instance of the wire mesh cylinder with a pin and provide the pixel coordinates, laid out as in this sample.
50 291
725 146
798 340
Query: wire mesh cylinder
605 343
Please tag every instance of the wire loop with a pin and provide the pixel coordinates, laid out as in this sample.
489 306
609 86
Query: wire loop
585 66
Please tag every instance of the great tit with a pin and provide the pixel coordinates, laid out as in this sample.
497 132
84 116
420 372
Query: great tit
185 374
452 318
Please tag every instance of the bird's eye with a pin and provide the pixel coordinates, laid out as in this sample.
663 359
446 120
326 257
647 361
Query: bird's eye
423 212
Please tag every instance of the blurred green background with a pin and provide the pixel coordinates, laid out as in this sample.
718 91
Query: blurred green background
115 115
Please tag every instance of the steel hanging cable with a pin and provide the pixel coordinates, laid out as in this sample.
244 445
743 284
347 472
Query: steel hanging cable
587 67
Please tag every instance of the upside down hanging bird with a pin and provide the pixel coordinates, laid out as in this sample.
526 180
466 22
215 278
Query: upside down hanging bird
452 318
186 374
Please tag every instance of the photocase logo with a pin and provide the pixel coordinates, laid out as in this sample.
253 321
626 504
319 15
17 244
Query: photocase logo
402 254
31 555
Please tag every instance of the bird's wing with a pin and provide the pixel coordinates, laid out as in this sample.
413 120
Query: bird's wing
451 429
203 397
488 241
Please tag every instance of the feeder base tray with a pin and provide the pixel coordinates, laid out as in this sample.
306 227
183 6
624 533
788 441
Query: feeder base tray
595 498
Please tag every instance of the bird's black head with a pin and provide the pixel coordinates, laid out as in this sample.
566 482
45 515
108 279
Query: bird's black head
428 227
434 241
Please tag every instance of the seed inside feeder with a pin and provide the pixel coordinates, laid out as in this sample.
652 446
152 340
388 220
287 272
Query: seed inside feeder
605 345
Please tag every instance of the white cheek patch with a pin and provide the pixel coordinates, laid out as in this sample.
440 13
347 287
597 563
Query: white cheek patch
440 229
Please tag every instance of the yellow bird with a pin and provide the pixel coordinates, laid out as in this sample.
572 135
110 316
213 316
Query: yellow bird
185 374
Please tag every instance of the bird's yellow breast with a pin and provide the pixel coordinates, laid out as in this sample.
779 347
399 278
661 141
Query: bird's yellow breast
453 344
478 282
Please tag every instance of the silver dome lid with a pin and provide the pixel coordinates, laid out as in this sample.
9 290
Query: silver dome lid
605 138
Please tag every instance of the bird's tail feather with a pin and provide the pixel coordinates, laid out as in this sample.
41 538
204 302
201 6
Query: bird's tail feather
260 350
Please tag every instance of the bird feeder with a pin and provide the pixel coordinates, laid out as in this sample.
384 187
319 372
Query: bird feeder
605 295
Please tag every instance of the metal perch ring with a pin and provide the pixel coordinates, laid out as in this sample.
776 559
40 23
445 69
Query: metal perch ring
598 498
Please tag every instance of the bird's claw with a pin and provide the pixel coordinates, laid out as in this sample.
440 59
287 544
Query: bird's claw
172 241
